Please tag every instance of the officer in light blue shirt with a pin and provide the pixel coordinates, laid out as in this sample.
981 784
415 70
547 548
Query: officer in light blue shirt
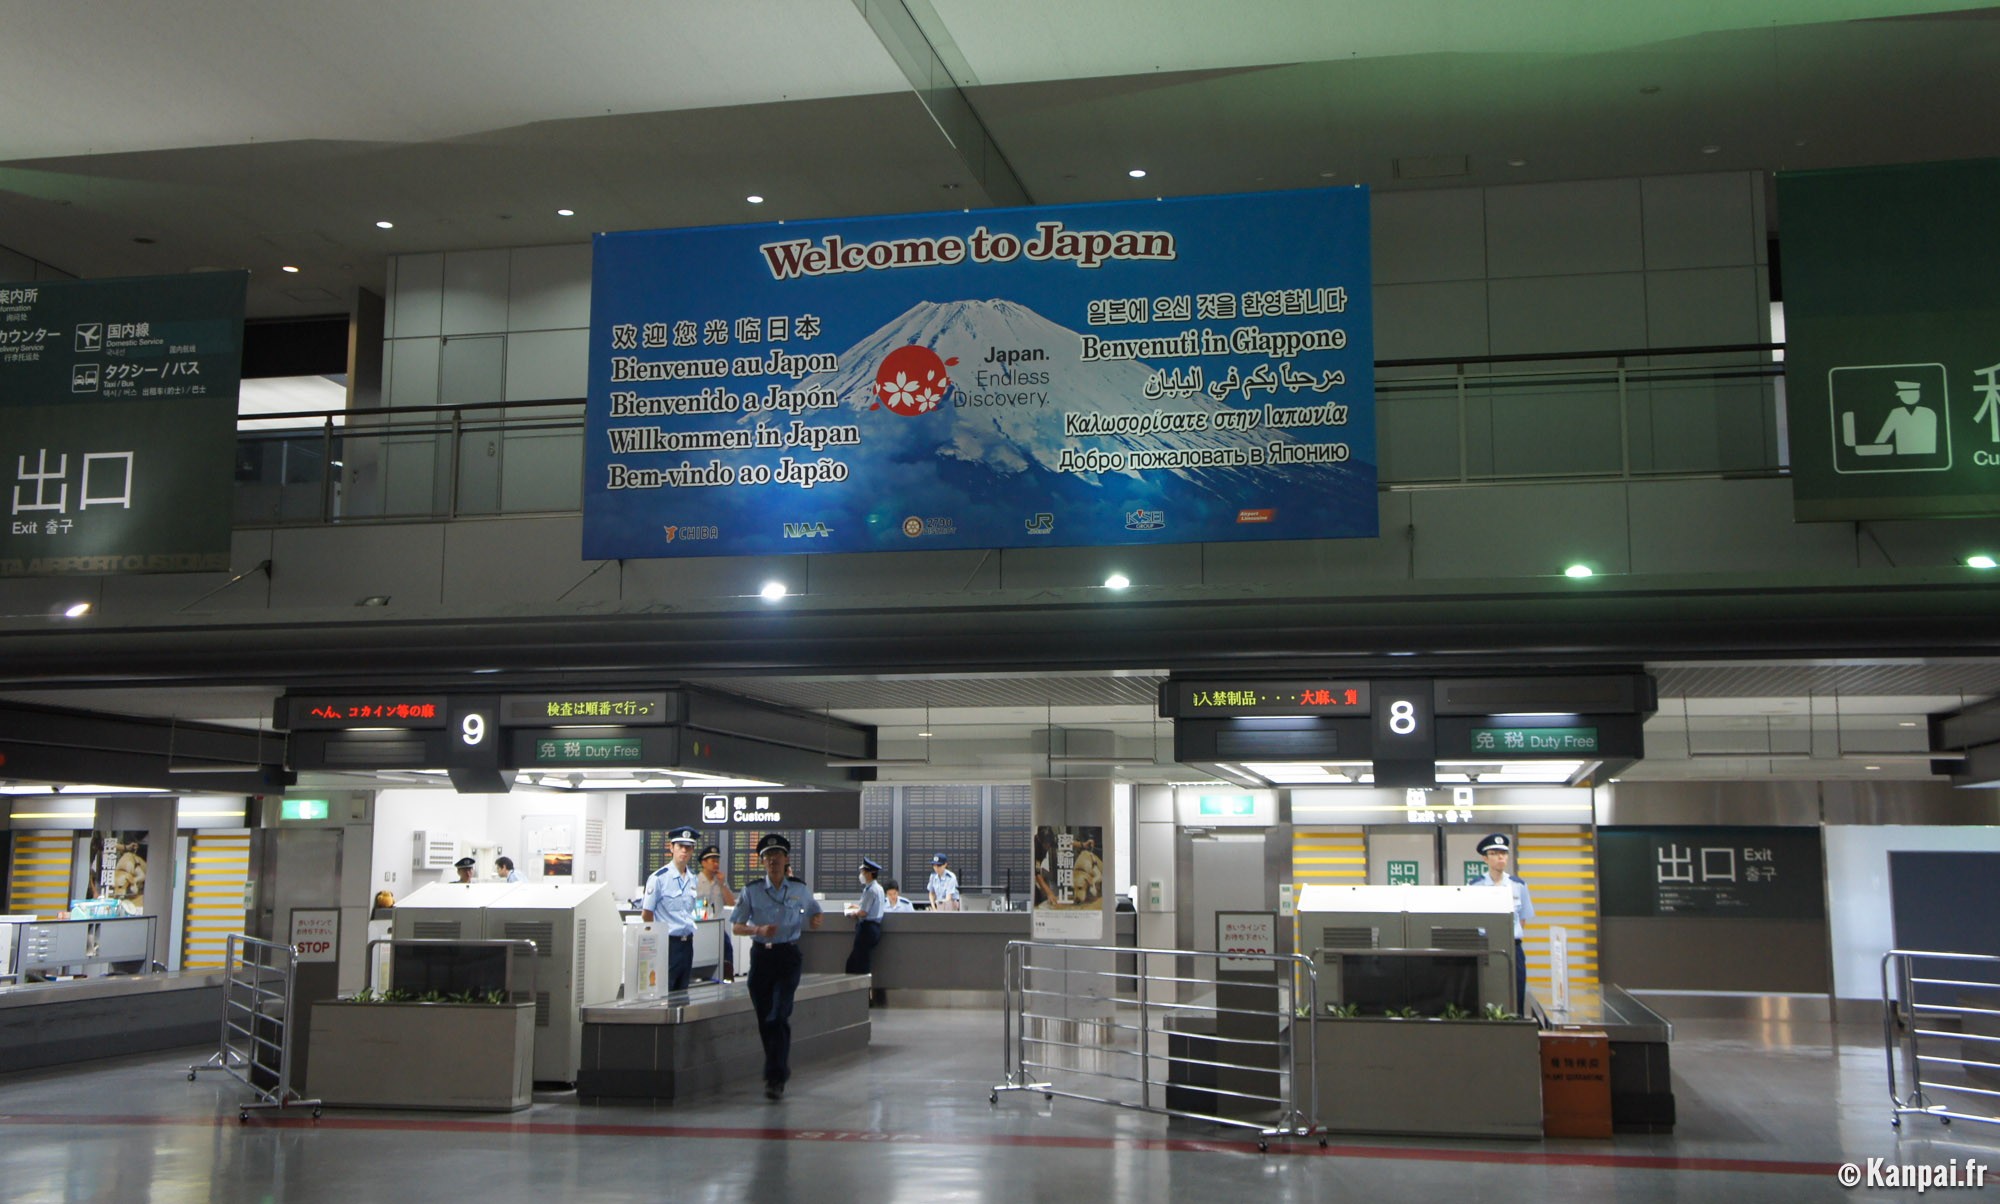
943 886
895 900
504 866
867 919
1495 849
672 894
773 911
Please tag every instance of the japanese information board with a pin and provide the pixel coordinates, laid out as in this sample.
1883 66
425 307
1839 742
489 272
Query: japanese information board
1186 370
1754 873
1892 327
118 423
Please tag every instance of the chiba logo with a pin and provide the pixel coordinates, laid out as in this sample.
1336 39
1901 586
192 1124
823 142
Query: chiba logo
912 380
686 533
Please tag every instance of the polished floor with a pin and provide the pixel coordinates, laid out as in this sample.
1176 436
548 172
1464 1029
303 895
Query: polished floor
1767 1113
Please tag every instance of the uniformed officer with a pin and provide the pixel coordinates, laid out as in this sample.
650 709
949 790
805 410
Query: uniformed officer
895 899
717 899
464 866
867 919
773 911
943 885
1495 849
671 895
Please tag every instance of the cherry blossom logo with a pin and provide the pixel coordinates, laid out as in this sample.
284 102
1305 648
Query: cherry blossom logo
912 380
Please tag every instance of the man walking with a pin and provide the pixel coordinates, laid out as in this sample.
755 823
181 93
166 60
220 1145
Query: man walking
773 911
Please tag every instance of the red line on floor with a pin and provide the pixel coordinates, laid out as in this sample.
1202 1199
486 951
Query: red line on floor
291 1119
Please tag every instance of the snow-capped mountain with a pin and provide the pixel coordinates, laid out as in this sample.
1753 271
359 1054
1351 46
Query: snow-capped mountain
1008 439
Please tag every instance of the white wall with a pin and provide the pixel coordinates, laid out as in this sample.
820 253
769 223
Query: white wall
495 819
1857 869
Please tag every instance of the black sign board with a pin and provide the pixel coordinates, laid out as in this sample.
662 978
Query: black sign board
621 708
1743 873
348 712
1405 734
118 422
745 809
1224 698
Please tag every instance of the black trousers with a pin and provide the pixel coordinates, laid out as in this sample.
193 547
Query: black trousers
1520 980
774 982
680 962
867 935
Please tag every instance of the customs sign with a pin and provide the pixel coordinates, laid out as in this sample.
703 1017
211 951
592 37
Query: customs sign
1196 369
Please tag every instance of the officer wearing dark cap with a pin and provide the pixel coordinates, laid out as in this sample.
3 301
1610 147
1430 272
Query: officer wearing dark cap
465 866
867 919
773 911
671 895
716 900
1495 849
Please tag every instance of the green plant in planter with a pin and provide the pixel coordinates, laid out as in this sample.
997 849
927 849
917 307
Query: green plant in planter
365 995
1404 1013
1454 1012
1343 1011
1494 1011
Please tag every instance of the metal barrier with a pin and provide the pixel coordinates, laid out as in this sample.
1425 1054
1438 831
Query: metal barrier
1135 1040
1911 1013
256 1047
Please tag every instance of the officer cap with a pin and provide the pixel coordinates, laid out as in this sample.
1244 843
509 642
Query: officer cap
940 859
710 851
869 864
1497 841
773 840
683 836
464 863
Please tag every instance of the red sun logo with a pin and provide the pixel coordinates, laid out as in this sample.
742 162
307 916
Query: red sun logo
912 380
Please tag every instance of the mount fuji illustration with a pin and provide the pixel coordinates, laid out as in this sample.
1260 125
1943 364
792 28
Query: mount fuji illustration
1046 382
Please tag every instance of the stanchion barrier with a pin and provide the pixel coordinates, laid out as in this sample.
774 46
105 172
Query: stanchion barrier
1147 1050
259 980
1915 984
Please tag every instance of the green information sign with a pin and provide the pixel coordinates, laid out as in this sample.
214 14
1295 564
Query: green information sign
595 751
1225 806
1892 329
1534 741
1403 873
118 423
302 808
1474 871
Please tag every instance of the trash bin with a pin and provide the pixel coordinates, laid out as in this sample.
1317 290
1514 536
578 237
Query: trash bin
1576 1084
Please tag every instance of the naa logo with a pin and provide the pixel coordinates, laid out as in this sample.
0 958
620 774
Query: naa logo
1042 524
1145 520
807 531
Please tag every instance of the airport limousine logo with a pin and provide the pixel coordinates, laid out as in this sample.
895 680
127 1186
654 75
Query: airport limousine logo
1889 418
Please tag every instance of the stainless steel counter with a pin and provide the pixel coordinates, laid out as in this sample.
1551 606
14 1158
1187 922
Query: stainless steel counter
53 1023
110 986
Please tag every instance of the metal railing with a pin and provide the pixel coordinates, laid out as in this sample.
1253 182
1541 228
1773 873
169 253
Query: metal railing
1914 1013
1147 1048
1625 414
259 981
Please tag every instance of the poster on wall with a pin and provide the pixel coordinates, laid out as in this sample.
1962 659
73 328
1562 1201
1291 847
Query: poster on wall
118 869
118 407
550 842
1171 371
1069 883
1892 333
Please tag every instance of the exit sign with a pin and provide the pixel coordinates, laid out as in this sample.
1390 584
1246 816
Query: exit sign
302 808
1226 806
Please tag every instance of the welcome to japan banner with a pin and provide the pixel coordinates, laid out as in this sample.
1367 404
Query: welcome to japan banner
1172 371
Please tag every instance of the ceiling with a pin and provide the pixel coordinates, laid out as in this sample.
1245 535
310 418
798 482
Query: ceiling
241 134
138 139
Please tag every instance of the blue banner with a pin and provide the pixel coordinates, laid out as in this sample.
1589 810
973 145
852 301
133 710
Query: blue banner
1174 371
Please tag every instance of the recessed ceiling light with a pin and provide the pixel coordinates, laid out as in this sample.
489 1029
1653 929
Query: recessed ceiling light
290 268
565 213
754 199
923 735
773 591
1578 570
1907 723
1517 162
1980 560
1326 175
1137 173
385 225
1709 150
76 610
1117 581
1871 767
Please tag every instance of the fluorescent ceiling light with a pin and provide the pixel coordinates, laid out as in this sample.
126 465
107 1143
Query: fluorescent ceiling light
385 225
76 610
1117 581
1137 173
773 591
754 199
1577 570
1980 561
565 213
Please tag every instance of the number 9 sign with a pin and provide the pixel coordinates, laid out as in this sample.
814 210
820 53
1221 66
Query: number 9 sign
472 728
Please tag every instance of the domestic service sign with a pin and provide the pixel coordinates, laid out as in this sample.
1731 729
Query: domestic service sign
1174 371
